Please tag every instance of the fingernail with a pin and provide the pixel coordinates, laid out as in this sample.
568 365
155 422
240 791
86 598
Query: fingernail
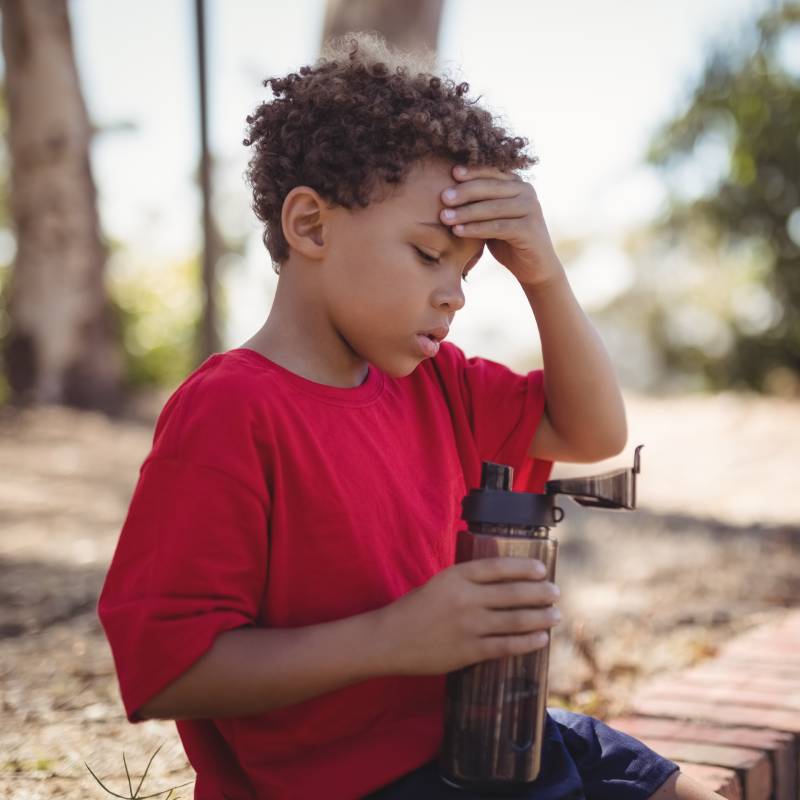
449 194
461 171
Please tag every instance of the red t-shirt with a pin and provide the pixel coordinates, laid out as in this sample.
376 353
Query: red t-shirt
270 500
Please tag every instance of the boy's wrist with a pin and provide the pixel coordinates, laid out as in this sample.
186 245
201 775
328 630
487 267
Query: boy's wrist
554 275
380 660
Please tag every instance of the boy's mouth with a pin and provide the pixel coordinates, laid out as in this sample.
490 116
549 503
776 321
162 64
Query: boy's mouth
429 340
428 344
436 334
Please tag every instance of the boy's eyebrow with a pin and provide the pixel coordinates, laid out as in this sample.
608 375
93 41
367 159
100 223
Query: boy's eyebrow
449 231
446 228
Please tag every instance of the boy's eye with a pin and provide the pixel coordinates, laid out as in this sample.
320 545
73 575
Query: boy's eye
425 257
431 260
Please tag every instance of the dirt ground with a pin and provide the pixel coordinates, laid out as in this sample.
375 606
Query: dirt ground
712 550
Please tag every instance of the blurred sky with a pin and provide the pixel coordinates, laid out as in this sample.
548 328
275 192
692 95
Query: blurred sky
585 82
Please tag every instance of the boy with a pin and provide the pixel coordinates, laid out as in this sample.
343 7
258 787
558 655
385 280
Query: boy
284 585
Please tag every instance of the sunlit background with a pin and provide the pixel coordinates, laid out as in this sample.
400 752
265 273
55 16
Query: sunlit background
589 84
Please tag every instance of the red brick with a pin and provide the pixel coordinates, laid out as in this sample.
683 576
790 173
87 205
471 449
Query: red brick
723 692
784 653
769 636
787 625
736 677
752 766
727 714
779 746
775 647
717 779
732 722
752 666
775 669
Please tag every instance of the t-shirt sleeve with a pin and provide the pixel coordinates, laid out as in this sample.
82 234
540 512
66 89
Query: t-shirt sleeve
190 563
503 409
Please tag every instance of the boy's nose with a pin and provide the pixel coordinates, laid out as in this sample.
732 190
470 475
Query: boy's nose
452 298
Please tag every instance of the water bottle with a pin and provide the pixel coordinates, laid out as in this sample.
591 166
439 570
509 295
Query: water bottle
495 710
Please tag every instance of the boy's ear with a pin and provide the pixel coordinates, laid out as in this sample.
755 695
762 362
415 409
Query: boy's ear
304 219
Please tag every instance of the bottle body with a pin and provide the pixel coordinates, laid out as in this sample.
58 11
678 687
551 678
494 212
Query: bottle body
495 710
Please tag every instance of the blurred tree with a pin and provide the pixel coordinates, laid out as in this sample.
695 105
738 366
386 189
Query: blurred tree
6 239
746 228
4 221
405 25
61 345
213 244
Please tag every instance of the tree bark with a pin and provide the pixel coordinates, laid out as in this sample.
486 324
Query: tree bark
62 343
212 241
404 24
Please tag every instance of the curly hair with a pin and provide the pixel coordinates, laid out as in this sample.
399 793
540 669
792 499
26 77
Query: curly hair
356 122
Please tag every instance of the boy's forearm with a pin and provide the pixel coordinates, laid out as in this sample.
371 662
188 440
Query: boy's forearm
584 401
252 670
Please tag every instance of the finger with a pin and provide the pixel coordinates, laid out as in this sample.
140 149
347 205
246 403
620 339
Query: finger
503 568
506 208
519 594
491 229
477 189
521 620
492 647
467 173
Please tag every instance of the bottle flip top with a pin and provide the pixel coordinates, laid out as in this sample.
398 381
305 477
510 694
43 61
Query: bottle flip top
494 502
614 490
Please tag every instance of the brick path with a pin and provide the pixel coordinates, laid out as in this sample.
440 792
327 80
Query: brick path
733 722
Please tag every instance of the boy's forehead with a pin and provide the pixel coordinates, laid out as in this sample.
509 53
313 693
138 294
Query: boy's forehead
429 179
418 201
421 192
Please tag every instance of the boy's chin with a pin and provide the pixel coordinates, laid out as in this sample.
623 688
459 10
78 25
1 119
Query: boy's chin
399 367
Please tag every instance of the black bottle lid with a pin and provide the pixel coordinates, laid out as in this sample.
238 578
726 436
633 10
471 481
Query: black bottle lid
495 502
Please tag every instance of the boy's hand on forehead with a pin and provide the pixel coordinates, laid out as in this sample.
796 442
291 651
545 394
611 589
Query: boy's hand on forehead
487 203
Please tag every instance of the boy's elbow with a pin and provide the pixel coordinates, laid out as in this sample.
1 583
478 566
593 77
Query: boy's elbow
605 441
612 445
619 444
148 711
617 438
155 708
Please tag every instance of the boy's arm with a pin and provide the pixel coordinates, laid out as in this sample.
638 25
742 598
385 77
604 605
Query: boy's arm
430 630
252 670
584 418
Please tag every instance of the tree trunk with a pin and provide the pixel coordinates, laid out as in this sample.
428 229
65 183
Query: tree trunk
405 25
62 342
212 241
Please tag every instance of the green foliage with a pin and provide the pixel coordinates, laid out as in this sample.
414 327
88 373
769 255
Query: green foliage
745 231
159 309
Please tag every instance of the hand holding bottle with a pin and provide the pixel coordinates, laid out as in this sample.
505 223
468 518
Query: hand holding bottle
472 611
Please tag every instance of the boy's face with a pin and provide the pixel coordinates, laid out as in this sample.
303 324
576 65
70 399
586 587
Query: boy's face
378 287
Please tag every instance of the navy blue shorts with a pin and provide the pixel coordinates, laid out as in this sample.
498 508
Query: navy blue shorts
582 759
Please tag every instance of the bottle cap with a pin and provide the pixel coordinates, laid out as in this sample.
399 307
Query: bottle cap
495 503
